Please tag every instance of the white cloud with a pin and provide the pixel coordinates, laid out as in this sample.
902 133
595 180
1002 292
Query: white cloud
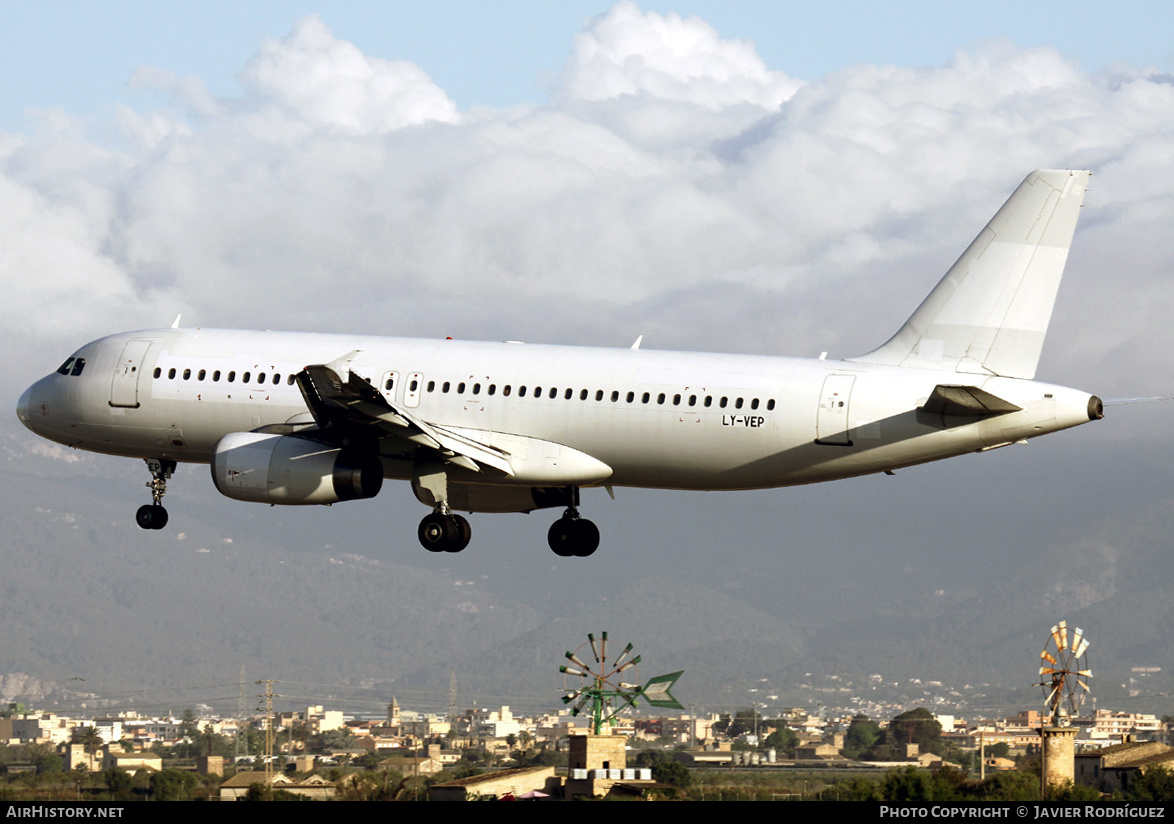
323 80
667 57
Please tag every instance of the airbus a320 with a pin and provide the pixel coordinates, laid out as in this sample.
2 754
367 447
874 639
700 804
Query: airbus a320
292 418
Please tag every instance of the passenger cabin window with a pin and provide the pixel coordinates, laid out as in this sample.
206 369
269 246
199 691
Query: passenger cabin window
201 375
158 371
770 404
245 377
216 376
231 377
171 374
187 374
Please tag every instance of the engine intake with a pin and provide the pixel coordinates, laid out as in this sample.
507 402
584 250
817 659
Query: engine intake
285 469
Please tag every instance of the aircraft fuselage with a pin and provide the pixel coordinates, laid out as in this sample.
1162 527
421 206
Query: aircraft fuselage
676 420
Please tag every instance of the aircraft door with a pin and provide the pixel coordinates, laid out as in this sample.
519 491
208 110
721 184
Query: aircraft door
414 384
388 386
832 423
124 386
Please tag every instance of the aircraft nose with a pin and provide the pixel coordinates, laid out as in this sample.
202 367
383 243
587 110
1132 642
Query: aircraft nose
22 408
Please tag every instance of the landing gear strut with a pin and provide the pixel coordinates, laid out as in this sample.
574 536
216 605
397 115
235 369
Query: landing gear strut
572 536
153 515
444 532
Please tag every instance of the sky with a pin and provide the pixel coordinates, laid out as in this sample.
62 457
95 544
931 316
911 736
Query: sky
754 177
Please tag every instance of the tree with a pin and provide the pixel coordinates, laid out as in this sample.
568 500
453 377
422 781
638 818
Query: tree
783 740
862 735
916 727
742 722
89 737
1155 784
173 785
118 782
672 772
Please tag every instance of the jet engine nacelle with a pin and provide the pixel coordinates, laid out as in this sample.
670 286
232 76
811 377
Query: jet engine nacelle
284 469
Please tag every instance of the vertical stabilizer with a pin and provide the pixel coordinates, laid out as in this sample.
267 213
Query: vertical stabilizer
990 313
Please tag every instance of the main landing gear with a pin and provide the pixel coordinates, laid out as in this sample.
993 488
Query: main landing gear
444 532
571 536
153 515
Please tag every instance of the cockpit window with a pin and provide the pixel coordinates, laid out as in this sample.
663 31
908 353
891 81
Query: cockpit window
72 366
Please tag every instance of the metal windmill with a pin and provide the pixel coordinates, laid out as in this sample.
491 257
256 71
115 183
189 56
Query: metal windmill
598 684
1064 674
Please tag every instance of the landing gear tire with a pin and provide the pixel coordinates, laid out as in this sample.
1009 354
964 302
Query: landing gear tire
444 533
571 537
151 516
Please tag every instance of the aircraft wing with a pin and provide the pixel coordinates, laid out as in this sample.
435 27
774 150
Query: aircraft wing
354 403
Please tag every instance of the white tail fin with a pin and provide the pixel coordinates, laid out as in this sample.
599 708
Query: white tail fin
990 313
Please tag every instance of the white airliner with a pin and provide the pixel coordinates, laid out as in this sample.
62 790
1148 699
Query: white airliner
290 418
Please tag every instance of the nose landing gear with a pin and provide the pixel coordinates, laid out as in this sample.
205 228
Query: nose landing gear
153 515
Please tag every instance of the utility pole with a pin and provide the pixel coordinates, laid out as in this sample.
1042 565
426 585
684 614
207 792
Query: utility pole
268 695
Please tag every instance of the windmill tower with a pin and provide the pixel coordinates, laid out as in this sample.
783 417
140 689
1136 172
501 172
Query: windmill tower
593 683
1064 675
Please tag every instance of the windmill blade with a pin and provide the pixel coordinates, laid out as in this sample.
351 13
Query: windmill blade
1080 645
594 649
631 663
603 648
624 654
571 696
572 657
1060 635
572 671
1047 656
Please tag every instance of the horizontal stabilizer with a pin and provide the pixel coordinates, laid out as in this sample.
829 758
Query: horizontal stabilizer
968 401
